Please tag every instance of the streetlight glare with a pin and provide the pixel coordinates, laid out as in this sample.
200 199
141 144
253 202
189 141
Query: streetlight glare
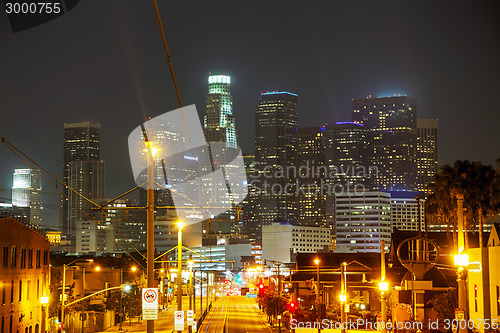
461 260
98 268
343 297
383 286
134 268
316 261
44 300
180 225
190 262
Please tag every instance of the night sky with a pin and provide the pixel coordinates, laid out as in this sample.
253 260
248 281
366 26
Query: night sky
104 62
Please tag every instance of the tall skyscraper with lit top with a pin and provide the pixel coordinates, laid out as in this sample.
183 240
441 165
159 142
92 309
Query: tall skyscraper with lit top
219 123
27 195
276 146
392 122
83 171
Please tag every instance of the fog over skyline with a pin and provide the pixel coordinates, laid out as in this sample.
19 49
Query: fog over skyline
104 62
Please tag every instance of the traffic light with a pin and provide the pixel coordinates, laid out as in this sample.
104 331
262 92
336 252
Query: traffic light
60 327
261 289
292 307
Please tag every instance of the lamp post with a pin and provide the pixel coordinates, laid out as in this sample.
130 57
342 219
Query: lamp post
462 262
45 303
179 267
63 292
318 315
190 292
150 220
343 296
383 286
121 297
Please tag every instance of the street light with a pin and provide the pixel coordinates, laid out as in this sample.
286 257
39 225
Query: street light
462 262
122 289
383 286
44 300
179 266
317 261
63 291
190 293
343 296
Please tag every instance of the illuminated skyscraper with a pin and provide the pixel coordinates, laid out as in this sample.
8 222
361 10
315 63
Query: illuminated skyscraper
219 123
81 146
276 121
312 172
348 155
27 195
392 122
427 152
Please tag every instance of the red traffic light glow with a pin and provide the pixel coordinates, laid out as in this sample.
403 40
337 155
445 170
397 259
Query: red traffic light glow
292 304
261 286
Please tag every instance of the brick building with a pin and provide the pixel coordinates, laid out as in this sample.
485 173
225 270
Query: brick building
24 278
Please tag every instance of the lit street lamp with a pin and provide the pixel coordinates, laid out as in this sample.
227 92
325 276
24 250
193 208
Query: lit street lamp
45 312
318 315
343 296
63 292
179 267
190 293
383 286
462 262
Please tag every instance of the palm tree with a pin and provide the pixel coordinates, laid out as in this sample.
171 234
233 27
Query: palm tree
476 182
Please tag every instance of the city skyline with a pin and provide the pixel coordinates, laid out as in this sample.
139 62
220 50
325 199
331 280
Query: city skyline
114 72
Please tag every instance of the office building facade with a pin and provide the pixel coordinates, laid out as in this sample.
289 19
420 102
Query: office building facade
311 175
362 221
27 195
276 122
82 148
393 125
404 211
280 241
427 152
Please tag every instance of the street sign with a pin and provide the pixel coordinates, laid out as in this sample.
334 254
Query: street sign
150 314
347 308
179 320
150 298
190 319
252 295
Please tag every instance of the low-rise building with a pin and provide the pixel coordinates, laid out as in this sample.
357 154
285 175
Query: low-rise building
362 221
280 241
24 277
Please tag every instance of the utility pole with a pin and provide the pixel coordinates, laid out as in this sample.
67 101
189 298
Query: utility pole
150 224
179 268
383 286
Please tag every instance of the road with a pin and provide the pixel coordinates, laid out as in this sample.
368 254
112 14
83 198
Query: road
242 316
165 322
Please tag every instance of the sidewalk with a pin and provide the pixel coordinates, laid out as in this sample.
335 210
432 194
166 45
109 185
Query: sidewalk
273 328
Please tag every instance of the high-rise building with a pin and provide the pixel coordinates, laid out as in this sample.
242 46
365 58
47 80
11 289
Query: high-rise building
276 122
311 174
247 214
27 195
362 221
348 156
427 152
82 168
404 211
219 123
393 125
